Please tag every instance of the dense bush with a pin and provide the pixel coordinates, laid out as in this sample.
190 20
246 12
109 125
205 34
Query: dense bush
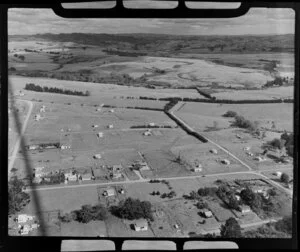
17 199
277 143
230 113
231 229
86 214
241 122
132 209
285 178
289 142
37 88
207 191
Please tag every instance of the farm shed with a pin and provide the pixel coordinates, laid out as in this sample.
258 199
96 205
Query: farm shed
207 213
244 209
225 161
109 192
214 151
141 225
97 156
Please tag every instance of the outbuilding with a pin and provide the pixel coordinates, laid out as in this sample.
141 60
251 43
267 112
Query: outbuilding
97 156
141 225
100 134
197 168
206 213
214 151
225 161
244 209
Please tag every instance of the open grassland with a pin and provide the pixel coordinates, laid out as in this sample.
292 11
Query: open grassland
201 115
265 94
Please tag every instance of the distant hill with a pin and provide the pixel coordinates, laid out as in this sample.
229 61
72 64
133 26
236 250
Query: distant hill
174 43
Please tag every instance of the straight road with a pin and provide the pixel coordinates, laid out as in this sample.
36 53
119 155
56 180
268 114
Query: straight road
45 188
20 135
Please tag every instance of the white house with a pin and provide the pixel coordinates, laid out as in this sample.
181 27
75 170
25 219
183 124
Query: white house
86 176
109 192
100 134
37 117
197 168
64 147
141 225
147 133
97 156
152 124
112 111
244 209
225 161
33 147
278 174
238 198
110 126
95 126
205 212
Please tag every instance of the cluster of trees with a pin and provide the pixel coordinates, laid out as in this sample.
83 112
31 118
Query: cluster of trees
202 192
242 122
124 53
230 113
169 195
286 141
278 81
17 199
54 179
228 196
173 101
279 229
86 214
132 209
285 178
21 57
231 229
148 126
37 88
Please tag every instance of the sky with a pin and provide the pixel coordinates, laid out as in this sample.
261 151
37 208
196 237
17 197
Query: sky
261 21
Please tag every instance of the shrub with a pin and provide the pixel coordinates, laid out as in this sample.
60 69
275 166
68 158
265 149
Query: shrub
230 113
89 213
285 178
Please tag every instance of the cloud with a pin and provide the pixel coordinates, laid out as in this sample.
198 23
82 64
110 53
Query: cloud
256 21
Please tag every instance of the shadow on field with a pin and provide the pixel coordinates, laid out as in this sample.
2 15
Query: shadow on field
28 164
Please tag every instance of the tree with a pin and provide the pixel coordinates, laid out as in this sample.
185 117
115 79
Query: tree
88 213
231 229
233 202
277 143
285 225
230 113
285 178
17 199
132 209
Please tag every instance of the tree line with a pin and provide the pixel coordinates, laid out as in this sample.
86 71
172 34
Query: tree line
38 88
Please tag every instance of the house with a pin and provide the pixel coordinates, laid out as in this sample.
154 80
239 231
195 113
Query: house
98 109
64 147
206 213
47 179
37 117
225 161
100 134
141 225
152 124
110 126
214 151
23 218
249 153
25 229
147 133
238 198
72 177
37 180
112 111
86 177
143 166
109 192
278 174
33 147
244 209
197 168
97 156
39 172
95 126
117 168
42 109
